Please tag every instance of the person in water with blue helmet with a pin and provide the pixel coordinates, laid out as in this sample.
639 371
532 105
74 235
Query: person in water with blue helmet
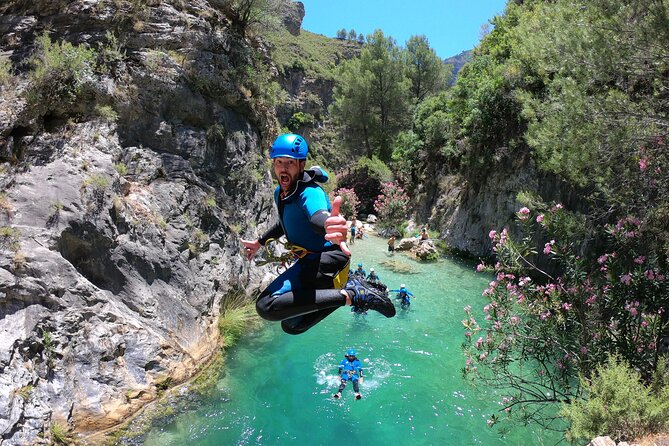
310 289
350 369
360 272
404 294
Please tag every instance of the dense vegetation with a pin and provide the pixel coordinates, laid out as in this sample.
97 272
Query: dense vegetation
578 89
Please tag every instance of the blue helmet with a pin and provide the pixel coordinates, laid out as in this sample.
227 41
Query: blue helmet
360 265
289 145
351 352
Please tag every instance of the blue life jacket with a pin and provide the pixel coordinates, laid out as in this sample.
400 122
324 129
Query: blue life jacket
350 370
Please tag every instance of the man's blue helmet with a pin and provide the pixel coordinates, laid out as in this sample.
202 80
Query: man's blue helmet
289 145
351 352
360 265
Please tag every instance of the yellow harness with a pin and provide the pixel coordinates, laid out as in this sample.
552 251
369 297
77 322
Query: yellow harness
297 252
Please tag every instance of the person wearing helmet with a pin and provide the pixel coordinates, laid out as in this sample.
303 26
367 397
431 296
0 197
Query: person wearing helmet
360 272
404 295
350 369
373 277
310 289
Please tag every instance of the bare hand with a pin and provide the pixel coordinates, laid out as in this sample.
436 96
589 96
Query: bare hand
335 227
251 247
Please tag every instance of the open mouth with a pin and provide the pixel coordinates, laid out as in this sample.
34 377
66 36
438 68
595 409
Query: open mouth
284 179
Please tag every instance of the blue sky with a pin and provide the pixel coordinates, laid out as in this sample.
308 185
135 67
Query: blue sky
451 26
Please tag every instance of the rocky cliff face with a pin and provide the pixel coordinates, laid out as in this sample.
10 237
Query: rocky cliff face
121 211
465 206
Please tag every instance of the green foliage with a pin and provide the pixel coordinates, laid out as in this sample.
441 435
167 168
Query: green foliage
617 404
106 112
376 168
254 15
60 434
299 121
371 95
238 316
547 326
61 73
121 168
25 391
9 238
603 92
425 69
314 54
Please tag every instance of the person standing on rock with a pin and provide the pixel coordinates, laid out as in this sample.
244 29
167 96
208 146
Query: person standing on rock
316 284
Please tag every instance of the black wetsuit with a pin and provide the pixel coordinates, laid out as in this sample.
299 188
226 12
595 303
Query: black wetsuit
309 290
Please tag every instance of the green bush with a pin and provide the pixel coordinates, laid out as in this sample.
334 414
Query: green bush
300 120
61 71
618 404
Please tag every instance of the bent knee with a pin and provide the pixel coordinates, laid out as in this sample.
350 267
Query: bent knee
264 309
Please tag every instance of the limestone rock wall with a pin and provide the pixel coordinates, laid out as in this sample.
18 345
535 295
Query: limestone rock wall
119 231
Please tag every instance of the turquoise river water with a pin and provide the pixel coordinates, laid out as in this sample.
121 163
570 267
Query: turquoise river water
277 389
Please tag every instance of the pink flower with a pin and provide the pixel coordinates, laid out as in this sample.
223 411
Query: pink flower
540 218
468 334
566 306
591 300
492 234
514 320
650 274
479 343
639 260
643 164
626 279
523 213
547 248
584 350
480 267
602 259
468 308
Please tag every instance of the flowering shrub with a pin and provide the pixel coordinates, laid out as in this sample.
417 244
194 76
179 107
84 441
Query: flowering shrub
349 201
542 330
392 205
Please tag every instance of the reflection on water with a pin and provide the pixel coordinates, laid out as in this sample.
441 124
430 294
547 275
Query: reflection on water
277 388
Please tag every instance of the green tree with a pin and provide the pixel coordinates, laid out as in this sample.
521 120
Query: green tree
424 68
371 95
341 34
254 15
352 106
352 35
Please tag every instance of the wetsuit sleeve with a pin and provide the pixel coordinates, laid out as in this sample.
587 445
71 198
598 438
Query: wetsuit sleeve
274 232
317 207
318 221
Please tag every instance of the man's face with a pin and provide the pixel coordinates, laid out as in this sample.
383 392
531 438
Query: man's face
287 171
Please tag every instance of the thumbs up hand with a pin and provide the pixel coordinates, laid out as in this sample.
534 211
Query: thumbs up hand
335 227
